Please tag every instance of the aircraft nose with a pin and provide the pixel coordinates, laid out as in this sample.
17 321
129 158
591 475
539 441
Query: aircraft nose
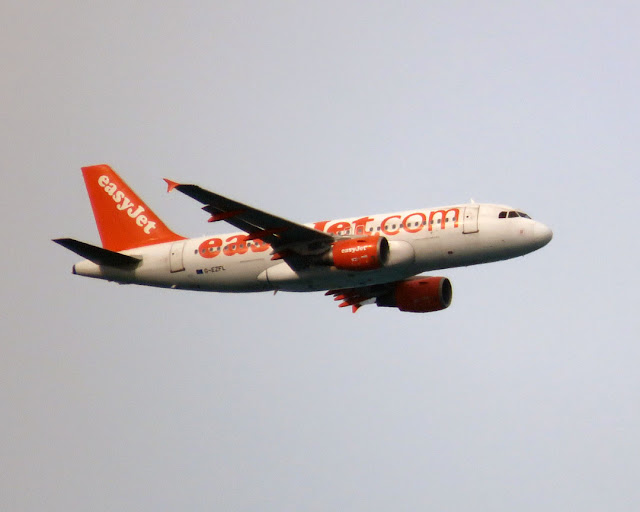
542 234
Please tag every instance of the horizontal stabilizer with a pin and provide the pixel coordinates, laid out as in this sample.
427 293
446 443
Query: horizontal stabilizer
98 255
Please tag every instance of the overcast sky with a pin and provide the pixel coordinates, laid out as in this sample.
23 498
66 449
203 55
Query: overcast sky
523 395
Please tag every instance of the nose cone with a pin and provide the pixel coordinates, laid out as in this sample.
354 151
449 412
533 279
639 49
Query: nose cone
542 234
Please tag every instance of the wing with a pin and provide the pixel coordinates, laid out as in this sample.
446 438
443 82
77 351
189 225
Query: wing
358 297
278 232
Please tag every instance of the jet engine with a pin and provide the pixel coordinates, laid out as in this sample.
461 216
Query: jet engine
418 295
366 253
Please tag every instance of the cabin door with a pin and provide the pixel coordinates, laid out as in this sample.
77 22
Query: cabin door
176 262
470 219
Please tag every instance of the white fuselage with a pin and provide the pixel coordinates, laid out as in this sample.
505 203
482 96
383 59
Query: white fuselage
420 241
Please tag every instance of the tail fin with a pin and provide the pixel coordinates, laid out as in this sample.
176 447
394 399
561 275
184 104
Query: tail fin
123 220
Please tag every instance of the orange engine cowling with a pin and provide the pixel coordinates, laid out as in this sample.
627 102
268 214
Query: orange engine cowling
366 253
419 295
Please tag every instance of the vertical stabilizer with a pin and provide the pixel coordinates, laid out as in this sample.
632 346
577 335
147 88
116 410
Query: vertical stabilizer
124 221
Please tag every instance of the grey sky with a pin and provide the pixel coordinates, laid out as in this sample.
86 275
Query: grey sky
524 395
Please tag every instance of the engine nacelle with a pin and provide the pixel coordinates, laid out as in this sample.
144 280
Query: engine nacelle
401 253
366 253
419 295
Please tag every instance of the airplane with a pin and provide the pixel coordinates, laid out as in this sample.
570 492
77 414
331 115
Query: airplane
372 259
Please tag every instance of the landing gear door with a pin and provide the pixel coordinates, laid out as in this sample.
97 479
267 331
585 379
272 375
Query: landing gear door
470 219
176 262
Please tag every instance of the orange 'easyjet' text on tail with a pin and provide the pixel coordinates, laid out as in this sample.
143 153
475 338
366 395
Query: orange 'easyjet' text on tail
124 221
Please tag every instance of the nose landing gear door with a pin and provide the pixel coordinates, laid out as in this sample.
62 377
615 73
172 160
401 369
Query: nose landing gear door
470 221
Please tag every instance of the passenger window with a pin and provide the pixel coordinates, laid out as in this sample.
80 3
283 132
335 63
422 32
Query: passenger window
512 215
502 215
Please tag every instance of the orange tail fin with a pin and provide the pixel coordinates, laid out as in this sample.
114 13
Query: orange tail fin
124 221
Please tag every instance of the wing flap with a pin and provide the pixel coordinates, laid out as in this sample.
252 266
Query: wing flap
358 297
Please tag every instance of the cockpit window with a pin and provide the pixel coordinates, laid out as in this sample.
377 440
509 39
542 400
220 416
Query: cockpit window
512 215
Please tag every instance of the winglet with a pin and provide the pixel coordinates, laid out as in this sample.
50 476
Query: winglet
170 184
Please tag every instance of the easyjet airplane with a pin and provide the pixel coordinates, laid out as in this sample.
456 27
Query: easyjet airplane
372 259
